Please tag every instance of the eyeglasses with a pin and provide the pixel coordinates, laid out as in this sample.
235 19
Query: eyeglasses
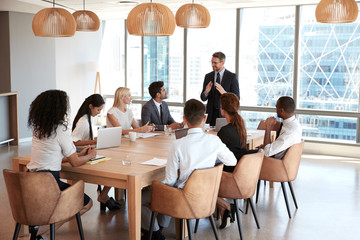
214 62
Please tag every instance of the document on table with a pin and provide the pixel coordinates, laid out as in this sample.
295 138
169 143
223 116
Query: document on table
147 135
155 162
98 159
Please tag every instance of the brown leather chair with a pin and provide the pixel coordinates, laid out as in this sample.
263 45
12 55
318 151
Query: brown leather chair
241 183
35 200
282 170
196 200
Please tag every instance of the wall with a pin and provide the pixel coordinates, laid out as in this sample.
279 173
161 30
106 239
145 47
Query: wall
32 64
36 64
4 53
72 72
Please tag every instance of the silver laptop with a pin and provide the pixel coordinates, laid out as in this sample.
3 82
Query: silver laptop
109 137
220 122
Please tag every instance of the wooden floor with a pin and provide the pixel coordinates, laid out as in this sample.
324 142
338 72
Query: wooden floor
327 190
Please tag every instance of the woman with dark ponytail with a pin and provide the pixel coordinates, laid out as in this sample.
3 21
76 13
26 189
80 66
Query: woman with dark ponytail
83 129
233 136
83 134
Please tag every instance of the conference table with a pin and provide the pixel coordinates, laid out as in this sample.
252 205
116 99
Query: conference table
131 177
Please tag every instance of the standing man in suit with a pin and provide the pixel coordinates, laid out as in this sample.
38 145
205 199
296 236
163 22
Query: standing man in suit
216 83
156 111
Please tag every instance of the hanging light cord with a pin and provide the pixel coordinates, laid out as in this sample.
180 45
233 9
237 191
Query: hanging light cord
84 5
57 4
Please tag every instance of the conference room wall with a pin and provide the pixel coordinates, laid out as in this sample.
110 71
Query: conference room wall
32 65
40 63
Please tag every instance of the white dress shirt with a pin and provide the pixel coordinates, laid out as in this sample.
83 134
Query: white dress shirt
47 153
221 75
157 106
290 134
124 118
82 130
195 151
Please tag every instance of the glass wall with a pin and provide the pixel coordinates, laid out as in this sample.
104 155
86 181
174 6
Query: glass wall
202 43
322 76
266 54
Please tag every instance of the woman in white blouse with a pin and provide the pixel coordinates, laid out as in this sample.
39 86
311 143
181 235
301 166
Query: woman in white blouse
52 143
120 116
83 134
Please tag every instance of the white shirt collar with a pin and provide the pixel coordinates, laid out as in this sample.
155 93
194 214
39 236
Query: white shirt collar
290 119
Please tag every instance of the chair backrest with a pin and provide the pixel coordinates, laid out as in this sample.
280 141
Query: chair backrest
196 200
34 197
291 160
241 183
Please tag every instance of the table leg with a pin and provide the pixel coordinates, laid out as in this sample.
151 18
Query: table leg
134 207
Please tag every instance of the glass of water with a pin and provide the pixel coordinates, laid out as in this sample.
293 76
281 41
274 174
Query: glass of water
126 160
167 130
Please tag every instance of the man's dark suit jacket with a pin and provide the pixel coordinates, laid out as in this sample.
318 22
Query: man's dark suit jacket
229 82
150 113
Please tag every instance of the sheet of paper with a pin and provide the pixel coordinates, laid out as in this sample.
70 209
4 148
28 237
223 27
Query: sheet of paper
146 135
155 162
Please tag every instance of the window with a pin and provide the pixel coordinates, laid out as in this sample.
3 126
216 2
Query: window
134 65
266 55
329 56
202 43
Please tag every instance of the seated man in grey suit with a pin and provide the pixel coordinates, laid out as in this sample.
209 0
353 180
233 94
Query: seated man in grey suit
156 111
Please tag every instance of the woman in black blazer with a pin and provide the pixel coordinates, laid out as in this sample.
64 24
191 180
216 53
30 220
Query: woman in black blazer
233 136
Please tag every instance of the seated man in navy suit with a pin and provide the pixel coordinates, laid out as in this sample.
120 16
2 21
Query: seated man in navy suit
156 111
217 82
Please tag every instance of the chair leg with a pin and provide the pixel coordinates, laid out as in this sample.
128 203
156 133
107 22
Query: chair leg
81 231
152 222
247 206
33 231
238 217
188 222
257 191
181 228
286 199
16 232
196 225
211 218
52 231
293 194
254 212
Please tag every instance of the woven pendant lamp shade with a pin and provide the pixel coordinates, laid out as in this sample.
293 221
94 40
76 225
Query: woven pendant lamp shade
53 22
192 16
151 19
336 11
86 21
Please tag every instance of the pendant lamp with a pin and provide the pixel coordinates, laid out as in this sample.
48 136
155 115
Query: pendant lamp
151 19
336 11
192 16
53 22
86 20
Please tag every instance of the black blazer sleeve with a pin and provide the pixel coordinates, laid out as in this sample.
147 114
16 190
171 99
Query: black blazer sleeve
207 79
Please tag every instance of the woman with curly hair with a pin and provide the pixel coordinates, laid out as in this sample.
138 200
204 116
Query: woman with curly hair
83 134
52 143
233 135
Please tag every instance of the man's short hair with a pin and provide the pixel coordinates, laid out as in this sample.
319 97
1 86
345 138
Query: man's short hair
287 103
220 56
155 87
194 111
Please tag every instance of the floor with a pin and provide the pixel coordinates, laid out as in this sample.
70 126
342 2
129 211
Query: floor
327 190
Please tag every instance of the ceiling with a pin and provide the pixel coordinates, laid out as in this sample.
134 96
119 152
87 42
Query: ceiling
112 9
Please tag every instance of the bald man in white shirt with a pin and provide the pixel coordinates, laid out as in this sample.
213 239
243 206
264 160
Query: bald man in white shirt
290 130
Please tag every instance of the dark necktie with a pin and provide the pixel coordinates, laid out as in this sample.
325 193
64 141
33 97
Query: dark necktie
217 94
161 114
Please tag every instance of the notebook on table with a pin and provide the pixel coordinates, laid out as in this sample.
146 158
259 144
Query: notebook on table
220 122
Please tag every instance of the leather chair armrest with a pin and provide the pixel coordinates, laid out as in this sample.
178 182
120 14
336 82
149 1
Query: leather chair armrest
167 200
71 201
